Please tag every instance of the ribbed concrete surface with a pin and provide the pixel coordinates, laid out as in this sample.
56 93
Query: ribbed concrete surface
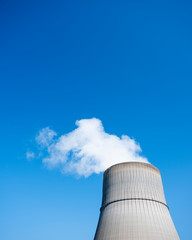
134 206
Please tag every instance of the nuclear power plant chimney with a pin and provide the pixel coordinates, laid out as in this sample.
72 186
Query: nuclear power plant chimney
133 205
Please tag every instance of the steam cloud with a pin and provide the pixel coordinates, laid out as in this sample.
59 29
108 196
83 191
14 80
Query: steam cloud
87 149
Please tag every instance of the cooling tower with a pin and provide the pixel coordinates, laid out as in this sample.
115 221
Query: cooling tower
133 205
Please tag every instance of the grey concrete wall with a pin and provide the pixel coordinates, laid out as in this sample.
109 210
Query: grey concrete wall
134 205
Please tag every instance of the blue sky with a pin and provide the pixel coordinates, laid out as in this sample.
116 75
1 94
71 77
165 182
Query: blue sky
127 63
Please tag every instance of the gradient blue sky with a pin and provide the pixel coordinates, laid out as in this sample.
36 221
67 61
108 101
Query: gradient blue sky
128 63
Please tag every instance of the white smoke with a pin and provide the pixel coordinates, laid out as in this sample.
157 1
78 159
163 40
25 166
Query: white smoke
87 149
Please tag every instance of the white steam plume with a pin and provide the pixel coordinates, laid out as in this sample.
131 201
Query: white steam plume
87 149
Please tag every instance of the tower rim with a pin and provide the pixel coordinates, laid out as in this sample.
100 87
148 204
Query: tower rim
129 163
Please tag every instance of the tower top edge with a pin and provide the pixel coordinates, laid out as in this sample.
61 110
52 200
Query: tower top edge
132 163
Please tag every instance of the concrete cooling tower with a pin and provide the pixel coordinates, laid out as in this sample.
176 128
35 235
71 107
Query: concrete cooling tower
133 205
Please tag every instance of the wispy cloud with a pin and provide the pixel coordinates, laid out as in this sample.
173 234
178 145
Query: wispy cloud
30 155
88 149
45 137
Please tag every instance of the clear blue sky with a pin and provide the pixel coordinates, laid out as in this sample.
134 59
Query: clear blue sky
128 63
